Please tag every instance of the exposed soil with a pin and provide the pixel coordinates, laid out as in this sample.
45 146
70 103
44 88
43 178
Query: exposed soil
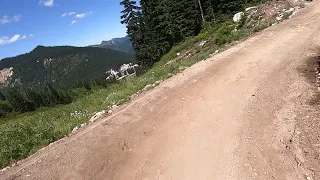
308 121
250 112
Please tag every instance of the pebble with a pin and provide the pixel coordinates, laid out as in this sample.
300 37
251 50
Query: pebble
82 125
75 129
4 169
147 87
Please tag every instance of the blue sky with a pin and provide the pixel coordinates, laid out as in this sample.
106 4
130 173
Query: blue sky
24 24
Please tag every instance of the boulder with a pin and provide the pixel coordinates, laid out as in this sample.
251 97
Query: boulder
202 43
238 16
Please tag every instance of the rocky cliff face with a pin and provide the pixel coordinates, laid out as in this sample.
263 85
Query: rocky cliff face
5 74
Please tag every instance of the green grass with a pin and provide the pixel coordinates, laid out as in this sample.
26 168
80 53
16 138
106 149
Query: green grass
24 134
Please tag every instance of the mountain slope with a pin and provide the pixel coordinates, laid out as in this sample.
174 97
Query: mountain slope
119 44
241 114
64 64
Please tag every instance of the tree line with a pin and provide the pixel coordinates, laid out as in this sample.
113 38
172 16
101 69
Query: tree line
24 99
154 26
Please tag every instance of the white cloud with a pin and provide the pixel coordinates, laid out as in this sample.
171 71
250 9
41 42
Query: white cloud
7 40
73 22
46 2
16 18
68 14
31 35
83 15
6 19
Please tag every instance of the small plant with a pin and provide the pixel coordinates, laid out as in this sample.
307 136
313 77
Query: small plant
259 28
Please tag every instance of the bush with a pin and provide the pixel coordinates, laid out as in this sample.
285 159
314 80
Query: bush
5 108
224 34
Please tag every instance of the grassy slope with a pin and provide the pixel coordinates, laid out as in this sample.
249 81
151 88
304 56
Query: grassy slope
26 133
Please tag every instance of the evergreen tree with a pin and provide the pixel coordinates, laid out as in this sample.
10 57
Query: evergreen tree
157 25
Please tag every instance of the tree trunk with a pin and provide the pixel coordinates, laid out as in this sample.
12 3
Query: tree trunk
201 10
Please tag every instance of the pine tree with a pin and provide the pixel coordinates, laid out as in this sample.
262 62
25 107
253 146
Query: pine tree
157 25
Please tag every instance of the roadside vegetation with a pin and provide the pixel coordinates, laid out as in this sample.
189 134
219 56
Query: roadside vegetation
23 134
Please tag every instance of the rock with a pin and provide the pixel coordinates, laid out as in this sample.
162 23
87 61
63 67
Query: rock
4 169
279 18
238 16
182 68
157 82
202 43
83 125
178 54
290 10
251 10
114 106
110 111
75 129
97 116
147 87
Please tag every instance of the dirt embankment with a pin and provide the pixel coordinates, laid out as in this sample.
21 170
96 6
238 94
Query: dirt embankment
307 136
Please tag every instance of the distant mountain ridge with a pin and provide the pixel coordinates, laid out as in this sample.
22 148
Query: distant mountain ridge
123 44
64 65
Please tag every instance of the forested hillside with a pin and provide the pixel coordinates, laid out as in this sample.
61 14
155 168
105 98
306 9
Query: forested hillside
63 65
155 26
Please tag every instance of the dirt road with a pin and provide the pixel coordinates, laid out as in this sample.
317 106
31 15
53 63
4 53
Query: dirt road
242 114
